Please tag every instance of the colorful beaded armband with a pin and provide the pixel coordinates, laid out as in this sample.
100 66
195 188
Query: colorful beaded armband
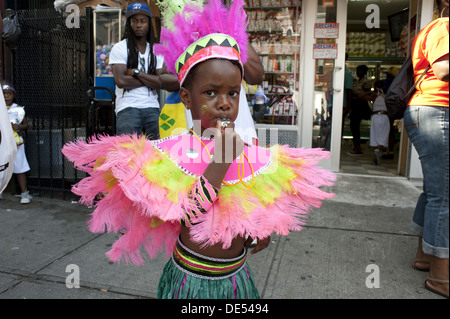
204 195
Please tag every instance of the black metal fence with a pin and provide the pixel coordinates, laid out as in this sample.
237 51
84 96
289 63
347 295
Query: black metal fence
51 77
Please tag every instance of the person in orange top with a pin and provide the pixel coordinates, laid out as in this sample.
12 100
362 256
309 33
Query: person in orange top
426 123
431 45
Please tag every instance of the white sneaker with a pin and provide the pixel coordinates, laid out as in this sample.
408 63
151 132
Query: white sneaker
26 198
376 156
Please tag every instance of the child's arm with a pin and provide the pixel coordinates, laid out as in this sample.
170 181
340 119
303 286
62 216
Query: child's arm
222 159
228 146
261 244
22 126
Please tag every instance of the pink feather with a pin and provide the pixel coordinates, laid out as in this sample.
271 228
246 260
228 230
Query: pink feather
125 199
194 23
238 27
129 201
215 12
288 212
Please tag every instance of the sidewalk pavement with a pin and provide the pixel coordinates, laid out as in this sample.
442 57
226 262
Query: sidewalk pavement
359 236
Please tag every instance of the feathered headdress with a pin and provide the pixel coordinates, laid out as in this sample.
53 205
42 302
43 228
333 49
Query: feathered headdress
203 33
171 7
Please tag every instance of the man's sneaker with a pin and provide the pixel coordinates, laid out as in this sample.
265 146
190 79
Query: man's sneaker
26 198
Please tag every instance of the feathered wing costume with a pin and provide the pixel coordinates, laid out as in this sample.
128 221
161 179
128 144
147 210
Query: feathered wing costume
145 187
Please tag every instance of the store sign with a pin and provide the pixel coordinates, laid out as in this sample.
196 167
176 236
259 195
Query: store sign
326 30
325 51
327 3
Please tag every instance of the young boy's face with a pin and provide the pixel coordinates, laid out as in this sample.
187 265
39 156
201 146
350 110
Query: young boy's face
9 96
214 92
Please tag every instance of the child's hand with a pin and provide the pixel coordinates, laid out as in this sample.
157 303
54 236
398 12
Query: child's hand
260 244
15 127
228 144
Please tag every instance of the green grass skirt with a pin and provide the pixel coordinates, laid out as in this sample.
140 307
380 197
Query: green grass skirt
176 284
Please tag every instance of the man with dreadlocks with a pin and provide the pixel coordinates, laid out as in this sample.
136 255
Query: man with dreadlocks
138 74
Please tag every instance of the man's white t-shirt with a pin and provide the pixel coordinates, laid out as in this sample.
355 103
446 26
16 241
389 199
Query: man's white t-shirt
244 124
141 97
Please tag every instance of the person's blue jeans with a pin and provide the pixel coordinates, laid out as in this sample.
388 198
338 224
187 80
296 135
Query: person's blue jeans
141 121
427 128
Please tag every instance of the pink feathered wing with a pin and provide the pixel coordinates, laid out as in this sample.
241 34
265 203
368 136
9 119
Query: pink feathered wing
127 200
287 212
124 199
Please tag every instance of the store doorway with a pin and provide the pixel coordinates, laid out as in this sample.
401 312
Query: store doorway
322 70
376 37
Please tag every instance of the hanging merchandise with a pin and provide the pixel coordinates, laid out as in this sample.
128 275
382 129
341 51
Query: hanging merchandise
275 33
11 31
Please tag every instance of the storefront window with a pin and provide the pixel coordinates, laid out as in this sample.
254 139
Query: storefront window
274 32
326 32
107 32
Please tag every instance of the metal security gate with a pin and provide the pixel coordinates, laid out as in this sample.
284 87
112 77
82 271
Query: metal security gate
51 77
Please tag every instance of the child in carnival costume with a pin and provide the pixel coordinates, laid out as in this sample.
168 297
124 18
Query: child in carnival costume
199 193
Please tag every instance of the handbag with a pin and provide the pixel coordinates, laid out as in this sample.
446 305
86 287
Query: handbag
401 90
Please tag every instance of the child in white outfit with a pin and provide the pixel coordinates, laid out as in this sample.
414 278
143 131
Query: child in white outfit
379 125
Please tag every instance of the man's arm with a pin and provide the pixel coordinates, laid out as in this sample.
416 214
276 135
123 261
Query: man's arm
162 80
253 69
124 77
169 81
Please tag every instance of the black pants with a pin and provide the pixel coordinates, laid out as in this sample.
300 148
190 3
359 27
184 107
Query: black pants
355 127
360 111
